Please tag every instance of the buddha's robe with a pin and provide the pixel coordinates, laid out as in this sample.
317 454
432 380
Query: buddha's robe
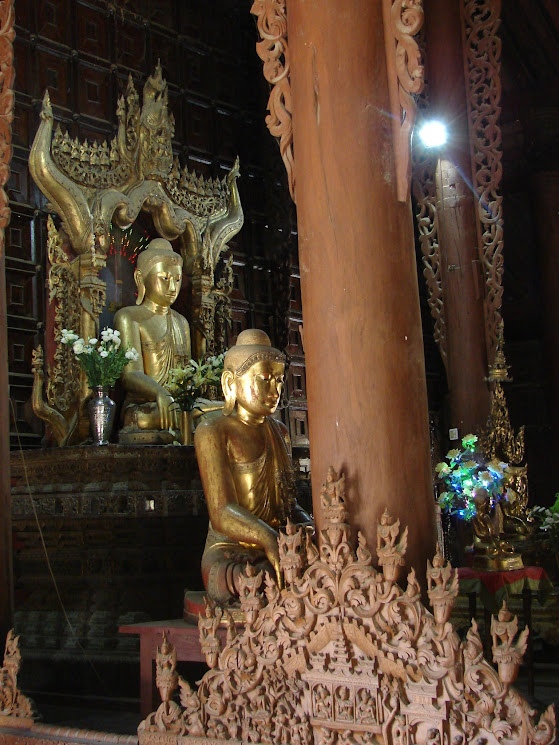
160 357
264 487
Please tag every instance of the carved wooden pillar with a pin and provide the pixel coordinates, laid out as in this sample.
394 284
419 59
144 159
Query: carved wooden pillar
362 329
460 269
6 116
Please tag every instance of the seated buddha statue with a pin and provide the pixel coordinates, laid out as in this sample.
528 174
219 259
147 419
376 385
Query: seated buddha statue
245 467
163 337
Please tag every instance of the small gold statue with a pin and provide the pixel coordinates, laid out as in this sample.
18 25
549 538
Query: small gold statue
492 550
246 470
517 522
163 336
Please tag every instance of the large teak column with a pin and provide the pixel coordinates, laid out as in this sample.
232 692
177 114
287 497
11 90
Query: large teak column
461 272
363 344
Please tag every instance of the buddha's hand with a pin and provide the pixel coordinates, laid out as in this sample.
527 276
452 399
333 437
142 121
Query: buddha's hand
272 554
169 411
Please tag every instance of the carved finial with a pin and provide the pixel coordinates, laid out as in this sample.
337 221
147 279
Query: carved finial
46 109
37 359
207 626
250 583
499 370
390 554
499 440
192 709
169 715
235 172
363 554
130 88
473 646
291 543
337 530
12 702
166 677
413 589
442 587
506 654
311 550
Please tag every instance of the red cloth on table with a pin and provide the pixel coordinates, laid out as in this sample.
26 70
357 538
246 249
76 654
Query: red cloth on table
494 587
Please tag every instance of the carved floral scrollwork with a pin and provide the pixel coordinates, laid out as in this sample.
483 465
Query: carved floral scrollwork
223 306
64 375
402 20
342 655
212 306
480 21
424 191
500 440
427 224
90 185
274 52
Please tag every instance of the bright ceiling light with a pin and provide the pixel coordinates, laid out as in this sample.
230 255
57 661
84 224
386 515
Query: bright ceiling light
433 134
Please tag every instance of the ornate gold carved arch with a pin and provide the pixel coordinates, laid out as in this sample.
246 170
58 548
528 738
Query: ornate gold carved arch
91 186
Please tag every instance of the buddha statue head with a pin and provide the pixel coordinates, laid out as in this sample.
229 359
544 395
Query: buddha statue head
253 375
158 274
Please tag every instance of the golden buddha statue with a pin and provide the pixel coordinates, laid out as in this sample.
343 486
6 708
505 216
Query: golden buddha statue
245 467
163 337
491 549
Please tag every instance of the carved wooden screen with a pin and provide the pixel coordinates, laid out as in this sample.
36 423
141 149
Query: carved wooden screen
83 52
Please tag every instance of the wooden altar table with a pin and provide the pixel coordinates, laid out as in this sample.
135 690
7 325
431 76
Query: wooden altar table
182 635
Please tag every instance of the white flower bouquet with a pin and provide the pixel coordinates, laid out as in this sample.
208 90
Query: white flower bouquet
103 360
548 519
187 384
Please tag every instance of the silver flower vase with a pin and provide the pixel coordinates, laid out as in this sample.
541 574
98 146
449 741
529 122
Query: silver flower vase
101 410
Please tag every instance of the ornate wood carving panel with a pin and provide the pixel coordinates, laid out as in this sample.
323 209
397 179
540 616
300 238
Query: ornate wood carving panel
482 44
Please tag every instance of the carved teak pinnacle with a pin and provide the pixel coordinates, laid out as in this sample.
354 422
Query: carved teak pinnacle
343 656
13 704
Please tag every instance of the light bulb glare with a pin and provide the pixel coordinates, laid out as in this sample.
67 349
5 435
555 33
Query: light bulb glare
433 134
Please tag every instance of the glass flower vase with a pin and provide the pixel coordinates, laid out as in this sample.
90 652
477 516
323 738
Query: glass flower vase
101 410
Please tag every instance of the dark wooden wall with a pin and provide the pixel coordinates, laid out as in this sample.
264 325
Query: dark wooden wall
530 128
